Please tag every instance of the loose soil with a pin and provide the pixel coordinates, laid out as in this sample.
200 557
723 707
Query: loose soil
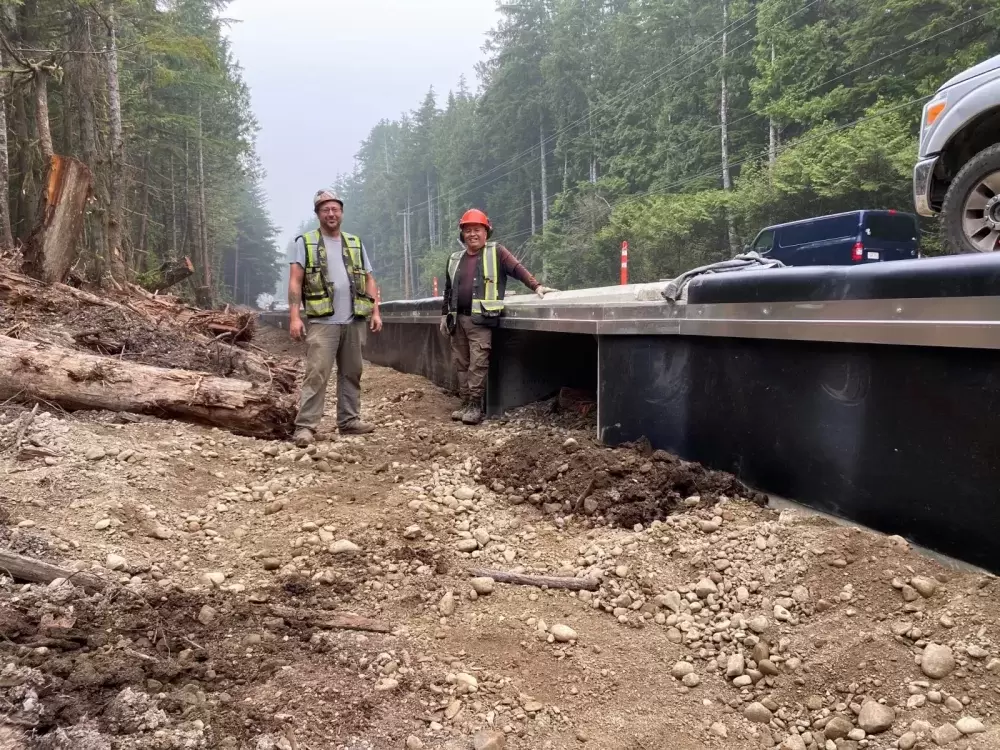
229 558
628 485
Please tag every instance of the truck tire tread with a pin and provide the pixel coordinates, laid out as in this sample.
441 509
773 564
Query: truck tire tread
952 233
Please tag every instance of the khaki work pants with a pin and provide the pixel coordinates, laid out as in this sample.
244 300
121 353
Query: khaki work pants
470 356
328 344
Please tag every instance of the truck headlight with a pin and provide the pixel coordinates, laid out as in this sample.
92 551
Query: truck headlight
933 111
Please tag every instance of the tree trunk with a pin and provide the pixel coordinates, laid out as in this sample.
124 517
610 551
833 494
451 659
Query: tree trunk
52 247
727 180
772 129
407 274
85 84
430 212
438 219
173 211
68 147
116 173
42 114
6 237
545 181
142 263
77 381
566 171
533 229
206 297
236 270
24 200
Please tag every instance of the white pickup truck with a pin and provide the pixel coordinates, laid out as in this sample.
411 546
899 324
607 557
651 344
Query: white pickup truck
958 172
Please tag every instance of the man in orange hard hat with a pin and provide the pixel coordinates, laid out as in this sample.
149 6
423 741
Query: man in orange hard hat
476 279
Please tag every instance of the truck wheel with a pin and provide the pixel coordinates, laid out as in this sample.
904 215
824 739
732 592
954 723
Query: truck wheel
971 211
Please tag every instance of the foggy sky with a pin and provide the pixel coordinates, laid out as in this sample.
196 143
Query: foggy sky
323 72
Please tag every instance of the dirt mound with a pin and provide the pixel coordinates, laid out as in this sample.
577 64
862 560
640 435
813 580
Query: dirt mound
628 485
126 665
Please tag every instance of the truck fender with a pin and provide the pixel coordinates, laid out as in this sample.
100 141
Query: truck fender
959 114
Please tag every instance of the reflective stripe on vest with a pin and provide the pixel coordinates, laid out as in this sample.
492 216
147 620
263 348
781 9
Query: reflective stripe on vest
490 304
317 293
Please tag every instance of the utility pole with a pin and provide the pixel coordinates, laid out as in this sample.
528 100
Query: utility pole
407 263
236 269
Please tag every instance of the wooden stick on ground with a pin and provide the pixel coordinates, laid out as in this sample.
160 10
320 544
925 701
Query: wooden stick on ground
584 495
23 429
23 568
552 582
331 620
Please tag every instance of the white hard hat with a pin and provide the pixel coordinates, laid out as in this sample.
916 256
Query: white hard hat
325 195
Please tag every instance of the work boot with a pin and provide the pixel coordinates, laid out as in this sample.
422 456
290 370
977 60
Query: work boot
357 427
304 437
474 413
460 411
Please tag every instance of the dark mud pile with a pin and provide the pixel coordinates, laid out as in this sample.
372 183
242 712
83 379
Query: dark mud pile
149 669
627 485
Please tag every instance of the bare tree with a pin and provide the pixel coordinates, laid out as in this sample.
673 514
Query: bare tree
116 173
6 237
545 181
727 178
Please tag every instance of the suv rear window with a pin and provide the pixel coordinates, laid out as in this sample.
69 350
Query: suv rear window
892 228
819 230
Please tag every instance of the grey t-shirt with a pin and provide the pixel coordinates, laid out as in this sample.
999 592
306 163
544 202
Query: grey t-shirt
336 274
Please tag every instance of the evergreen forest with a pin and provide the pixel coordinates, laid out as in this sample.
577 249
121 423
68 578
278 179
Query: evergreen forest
148 95
680 126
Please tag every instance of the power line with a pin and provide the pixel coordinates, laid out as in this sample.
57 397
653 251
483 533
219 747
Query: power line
672 65
813 88
655 75
849 72
668 189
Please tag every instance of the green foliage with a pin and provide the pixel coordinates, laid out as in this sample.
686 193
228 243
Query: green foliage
628 96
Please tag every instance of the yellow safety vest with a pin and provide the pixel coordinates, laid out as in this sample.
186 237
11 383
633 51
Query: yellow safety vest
487 296
317 292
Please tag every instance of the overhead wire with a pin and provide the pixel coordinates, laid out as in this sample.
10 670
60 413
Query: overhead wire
849 72
660 72
883 58
674 86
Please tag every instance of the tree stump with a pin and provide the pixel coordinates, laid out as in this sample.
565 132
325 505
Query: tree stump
53 244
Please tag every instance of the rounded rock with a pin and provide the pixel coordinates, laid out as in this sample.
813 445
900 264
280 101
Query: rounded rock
876 718
969 725
483 585
486 739
563 633
681 669
758 713
837 728
937 661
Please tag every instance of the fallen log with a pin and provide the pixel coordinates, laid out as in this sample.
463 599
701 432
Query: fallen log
152 311
33 371
330 620
22 568
171 273
52 246
552 582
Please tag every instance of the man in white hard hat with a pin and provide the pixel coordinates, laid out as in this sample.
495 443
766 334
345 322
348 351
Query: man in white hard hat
331 277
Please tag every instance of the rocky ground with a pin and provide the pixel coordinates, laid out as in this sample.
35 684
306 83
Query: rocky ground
714 620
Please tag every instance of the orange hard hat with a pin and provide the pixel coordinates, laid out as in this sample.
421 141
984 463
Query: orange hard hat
475 216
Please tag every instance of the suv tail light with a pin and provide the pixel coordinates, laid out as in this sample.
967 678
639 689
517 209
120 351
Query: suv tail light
858 252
